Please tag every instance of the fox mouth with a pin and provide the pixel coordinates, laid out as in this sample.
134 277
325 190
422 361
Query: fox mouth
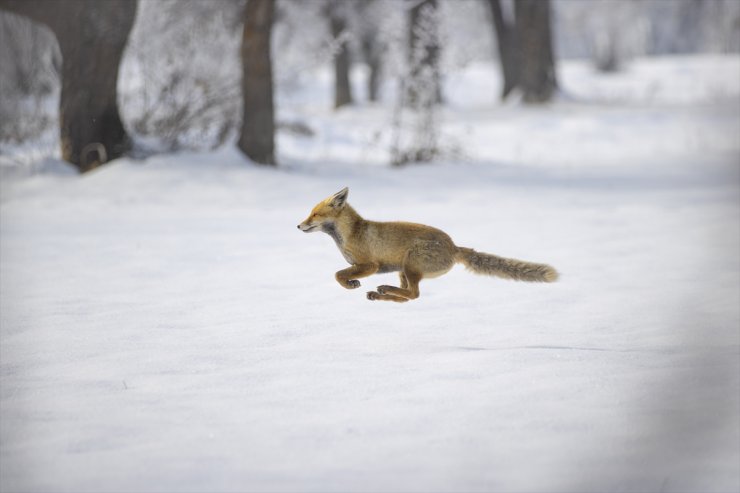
309 229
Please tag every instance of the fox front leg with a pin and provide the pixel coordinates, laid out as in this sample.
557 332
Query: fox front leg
348 277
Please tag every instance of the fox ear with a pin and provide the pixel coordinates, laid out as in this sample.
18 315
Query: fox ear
339 199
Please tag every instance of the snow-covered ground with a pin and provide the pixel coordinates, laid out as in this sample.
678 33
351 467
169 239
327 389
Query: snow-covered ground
165 326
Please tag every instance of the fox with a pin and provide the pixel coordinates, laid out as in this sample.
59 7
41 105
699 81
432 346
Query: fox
415 251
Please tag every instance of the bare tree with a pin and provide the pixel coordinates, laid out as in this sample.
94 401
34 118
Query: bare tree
336 11
371 45
536 60
525 49
421 90
92 36
508 47
257 138
31 66
374 62
423 51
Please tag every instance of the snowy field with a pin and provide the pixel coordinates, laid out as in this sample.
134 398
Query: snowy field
165 326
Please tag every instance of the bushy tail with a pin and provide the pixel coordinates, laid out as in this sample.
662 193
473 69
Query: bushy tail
508 268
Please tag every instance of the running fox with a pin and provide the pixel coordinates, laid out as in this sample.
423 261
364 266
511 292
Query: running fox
415 251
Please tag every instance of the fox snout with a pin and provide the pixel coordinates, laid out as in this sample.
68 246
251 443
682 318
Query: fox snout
307 227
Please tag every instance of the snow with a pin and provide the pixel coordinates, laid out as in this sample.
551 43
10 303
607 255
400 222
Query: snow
165 326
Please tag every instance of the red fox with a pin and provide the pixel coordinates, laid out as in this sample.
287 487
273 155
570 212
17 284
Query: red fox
415 251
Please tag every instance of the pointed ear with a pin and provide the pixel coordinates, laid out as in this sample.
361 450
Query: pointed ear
338 200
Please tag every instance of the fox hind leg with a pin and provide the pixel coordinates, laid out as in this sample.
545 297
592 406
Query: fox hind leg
426 259
409 292
374 295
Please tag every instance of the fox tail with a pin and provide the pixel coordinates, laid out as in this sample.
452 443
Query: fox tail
507 268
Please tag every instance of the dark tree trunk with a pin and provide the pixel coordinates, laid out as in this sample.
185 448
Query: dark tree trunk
257 138
537 65
92 36
508 48
371 46
338 26
423 53
373 57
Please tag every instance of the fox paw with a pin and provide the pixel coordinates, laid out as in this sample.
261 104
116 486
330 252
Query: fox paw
352 284
372 295
384 289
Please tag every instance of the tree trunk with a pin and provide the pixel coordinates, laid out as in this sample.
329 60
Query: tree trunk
537 66
338 25
92 36
508 48
423 54
257 138
372 54
371 45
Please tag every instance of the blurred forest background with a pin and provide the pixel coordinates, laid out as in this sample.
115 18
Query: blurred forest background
91 81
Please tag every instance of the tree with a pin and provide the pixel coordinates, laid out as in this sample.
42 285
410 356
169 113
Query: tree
373 58
31 66
423 52
92 36
525 49
536 61
337 12
257 137
371 44
508 48
421 92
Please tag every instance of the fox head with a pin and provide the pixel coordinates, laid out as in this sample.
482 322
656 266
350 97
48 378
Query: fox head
325 213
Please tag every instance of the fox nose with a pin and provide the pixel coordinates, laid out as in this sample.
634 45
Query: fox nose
299 226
